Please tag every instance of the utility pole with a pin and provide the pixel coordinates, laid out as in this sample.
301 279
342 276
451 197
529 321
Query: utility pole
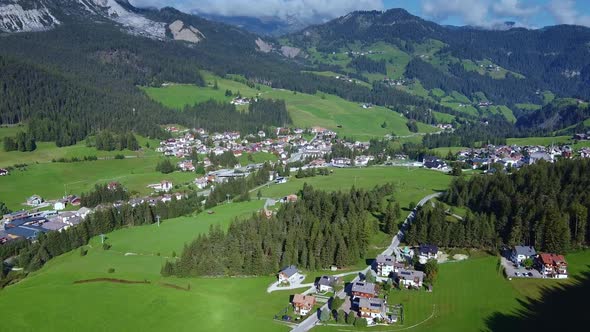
102 238
227 196
158 219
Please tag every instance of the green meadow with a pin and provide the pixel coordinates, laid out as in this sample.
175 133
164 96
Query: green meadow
411 184
324 110
52 180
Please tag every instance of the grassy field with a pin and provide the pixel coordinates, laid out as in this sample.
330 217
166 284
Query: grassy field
465 294
328 111
46 151
411 184
51 180
545 141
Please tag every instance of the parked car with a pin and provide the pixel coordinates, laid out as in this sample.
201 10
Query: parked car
517 273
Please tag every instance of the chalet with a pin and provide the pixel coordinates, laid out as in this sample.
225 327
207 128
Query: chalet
164 186
372 308
363 289
289 199
409 278
520 253
433 162
552 265
303 304
288 274
34 200
186 166
384 265
3 172
327 283
427 251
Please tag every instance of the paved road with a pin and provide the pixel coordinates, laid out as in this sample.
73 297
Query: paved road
312 320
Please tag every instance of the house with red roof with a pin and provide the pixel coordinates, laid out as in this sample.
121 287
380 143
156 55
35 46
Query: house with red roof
552 265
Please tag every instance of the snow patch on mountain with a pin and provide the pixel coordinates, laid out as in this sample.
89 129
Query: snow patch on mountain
187 33
14 18
136 23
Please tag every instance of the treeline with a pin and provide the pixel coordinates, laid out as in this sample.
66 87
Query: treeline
543 205
238 188
492 130
103 194
311 172
219 116
23 142
431 226
109 141
319 230
366 64
103 221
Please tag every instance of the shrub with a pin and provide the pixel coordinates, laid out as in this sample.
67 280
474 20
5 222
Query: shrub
360 322
106 246
111 270
83 252
119 156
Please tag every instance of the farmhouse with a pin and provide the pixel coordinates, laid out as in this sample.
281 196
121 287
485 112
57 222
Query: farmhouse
409 278
303 304
201 182
327 283
372 308
59 205
552 266
520 253
164 186
289 274
363 289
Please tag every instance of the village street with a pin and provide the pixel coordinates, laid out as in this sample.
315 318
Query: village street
312 320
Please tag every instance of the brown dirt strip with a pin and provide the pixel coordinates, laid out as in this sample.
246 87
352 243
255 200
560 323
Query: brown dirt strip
164 284
113 280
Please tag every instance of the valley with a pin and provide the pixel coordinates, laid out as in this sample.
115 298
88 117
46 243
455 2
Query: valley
167 169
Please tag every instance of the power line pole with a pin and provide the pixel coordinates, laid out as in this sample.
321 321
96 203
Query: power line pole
158 219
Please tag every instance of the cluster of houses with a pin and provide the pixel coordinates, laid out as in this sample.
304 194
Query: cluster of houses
516 156
550 265
29 224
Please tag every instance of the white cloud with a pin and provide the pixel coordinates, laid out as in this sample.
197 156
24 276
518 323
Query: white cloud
473 12
565 12
302 9
514 8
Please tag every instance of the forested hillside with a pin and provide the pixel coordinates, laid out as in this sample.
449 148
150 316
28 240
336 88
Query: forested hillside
543 205
319 230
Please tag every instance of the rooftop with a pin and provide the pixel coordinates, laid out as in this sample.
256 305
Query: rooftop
363 287
525 250
289 270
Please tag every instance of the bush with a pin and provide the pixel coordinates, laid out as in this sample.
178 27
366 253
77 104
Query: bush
119 156
106 246
111 270
350 318
360 322
341 317
83 252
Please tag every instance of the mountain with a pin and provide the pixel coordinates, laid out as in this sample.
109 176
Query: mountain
505 66
264 26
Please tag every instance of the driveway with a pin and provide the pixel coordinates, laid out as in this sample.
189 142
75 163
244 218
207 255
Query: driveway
294 285
519 272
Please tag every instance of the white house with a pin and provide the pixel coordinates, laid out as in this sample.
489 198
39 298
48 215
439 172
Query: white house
289 274
384 265
59 205
372 308
426 252
520 253
409 278
326 284
201 182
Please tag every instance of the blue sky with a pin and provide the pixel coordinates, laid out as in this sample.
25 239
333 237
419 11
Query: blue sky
485 13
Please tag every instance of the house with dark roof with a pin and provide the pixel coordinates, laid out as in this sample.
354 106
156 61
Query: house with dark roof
288 274
26 232
327 283
55 225
409 278
385 265
427 251
363 289
520 253
372 308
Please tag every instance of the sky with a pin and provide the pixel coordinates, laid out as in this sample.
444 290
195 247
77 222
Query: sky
483 13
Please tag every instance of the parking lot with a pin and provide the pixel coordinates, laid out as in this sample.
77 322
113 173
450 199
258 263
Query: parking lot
519 272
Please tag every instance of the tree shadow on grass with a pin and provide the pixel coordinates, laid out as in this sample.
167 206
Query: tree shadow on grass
559 308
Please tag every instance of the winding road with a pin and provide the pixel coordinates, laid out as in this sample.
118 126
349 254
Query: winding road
311 321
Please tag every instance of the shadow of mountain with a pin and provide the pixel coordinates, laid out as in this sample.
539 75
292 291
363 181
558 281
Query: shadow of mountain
559 308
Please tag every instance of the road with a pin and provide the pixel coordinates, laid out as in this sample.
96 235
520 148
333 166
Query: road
311 321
